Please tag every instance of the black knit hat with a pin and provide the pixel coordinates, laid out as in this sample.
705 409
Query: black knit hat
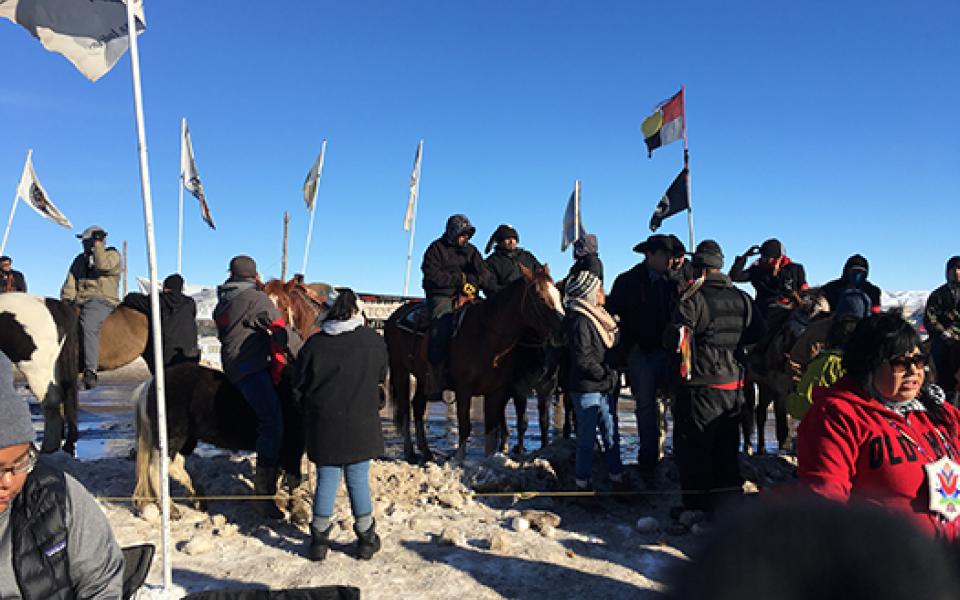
771 248
503 232
243 266
708 254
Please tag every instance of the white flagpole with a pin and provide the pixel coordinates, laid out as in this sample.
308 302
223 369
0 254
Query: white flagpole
183 131
413 220
313 209
13 208
576 210
154 295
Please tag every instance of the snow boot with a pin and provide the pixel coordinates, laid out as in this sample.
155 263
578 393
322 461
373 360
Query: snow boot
265 484
368 542
319 543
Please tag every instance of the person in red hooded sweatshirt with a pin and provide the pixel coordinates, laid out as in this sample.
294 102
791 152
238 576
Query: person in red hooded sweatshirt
880 436
776 278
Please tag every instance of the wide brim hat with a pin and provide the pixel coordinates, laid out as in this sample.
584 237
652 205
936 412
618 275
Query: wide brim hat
655 242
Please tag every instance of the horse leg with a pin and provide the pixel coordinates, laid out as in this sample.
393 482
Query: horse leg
783 422
520 405
179 473
400 382
419 411
763 404
52 408
70 413
462 400
494 407
543 413
747 416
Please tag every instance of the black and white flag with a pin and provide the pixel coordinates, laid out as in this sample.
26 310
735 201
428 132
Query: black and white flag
31 192
191 177
676 199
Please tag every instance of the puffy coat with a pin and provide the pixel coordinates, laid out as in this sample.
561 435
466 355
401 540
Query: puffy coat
93 275
850 448
588 370
832 290
338 387
504 267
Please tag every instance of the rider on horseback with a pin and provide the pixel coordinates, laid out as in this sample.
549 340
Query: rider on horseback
453 272
776 279
505 262
245 318
92 283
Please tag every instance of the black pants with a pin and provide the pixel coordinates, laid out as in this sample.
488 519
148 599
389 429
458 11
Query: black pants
706 438
441 328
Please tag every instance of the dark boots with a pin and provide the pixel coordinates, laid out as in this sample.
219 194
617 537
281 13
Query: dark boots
368 542
89 379
265 484
320 543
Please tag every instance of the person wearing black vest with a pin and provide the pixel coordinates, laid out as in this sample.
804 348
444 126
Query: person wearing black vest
716 318
55 542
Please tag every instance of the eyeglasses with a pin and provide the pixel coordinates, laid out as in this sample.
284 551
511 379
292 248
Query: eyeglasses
900 363
22 465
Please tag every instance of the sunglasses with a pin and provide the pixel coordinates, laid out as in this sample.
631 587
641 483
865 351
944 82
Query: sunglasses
22 465
900 363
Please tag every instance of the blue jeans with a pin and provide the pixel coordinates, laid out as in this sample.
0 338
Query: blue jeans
358 488
596 410
648 370
260 394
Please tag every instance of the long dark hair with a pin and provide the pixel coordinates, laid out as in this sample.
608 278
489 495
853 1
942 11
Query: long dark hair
877 339
344 307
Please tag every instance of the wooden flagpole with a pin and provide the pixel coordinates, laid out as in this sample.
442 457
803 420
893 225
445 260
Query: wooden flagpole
283 256
154 297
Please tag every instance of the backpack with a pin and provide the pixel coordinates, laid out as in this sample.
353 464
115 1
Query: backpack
853 301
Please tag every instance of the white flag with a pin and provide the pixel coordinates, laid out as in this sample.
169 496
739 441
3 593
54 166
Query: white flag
572 224
31 192
414 189
313 178
92 34
191 177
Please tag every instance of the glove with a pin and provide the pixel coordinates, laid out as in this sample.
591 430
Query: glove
468 289
752 251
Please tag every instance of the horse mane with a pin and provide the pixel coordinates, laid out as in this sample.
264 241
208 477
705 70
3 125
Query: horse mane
300 304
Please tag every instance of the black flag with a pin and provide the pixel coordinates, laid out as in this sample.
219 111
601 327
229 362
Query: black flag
675 200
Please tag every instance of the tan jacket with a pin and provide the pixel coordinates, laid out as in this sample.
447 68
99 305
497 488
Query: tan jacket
94 275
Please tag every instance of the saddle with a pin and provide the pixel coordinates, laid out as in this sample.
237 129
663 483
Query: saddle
415 318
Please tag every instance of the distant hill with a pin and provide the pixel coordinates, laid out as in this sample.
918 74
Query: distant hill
910 302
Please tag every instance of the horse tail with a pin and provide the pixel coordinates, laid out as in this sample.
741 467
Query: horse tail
147 481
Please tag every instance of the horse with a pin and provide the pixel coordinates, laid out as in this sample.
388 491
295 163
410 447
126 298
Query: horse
203 406
481 357
39 335
768 366
538 372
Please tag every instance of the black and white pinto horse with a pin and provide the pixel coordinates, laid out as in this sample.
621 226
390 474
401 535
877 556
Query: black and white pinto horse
203 406
39 335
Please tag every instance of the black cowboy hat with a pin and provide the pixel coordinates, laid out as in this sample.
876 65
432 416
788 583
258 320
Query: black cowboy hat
656 242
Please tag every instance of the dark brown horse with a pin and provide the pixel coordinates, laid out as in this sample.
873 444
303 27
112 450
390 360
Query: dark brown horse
481 357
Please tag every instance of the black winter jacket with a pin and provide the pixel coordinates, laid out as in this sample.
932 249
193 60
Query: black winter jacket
178 314
446 265
770 289
588 370
504 267
338 387
14 280
644 306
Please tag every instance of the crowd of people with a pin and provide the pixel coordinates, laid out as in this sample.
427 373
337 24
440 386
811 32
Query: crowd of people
873 428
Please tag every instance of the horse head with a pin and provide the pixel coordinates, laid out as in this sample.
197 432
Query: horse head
541 304
301 306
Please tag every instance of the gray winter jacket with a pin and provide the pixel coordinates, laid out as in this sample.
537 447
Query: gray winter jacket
244 343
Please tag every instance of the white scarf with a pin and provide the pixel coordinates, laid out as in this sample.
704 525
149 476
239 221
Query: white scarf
601 319
331 327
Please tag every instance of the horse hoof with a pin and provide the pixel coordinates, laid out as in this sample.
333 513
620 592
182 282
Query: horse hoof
411 458
748 450
70 449
518 450
428 457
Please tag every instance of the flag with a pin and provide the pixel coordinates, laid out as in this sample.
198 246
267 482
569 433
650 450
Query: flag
675 200
667 123
91 34
31 192
191 178
414 189
572 224
313 178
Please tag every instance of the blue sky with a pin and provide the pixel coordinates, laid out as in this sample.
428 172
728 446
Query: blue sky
830 125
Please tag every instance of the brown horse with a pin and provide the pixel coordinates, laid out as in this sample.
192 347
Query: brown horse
481 358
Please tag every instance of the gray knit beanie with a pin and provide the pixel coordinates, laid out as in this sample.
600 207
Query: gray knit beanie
16 426
582 285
